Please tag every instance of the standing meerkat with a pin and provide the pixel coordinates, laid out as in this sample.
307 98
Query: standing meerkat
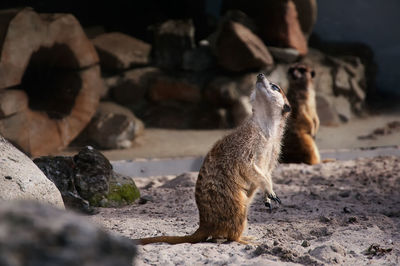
298 143
236 167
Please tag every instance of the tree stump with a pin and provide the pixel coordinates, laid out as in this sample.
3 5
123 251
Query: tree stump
54 67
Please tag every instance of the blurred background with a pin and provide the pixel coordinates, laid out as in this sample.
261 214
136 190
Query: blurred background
168 78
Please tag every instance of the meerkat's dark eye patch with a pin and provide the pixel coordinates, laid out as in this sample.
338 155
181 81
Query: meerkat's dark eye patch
312 74
275 87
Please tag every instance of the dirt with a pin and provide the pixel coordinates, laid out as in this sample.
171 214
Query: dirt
343 212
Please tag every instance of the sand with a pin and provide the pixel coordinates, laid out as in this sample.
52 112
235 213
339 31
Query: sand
344 213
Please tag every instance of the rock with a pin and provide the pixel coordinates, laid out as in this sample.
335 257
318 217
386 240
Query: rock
57 71
326 111
12 101
249 50
88 177
286 55
343 108
279 76
176 88
92 175
277 22
123 191
35 234
241 110
342 81
20 178
329 254
222 91
118 51
305 244
199 59
307 15
171 40
112 127
60 170
144 199
184 180
132 86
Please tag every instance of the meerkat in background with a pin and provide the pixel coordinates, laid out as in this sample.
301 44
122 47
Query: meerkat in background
236 167
298 143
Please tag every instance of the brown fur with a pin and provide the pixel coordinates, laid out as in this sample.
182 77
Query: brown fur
298 144
235 168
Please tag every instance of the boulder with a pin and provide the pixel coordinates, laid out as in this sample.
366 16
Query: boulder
87 180
199 59
241 110
132 86
112 127
171 40
60 170
277 22
118 51
307 14
20 178
175 87
58 72
238 49
38 234
285 55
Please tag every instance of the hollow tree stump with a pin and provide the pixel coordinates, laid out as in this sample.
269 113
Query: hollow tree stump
50 81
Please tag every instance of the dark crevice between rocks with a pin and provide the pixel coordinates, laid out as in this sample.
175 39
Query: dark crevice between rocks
52 81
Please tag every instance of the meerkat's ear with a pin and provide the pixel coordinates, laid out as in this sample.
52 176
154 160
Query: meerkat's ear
312 74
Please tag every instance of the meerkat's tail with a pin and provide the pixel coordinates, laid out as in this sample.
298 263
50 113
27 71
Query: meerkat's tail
196 237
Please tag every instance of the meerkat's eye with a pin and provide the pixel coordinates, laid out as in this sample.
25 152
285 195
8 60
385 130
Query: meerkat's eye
275 87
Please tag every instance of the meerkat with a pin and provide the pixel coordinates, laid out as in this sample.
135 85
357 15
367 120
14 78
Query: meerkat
238 165
298 142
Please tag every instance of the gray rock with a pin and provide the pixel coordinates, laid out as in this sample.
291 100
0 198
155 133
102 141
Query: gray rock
41 235
60 170
241 110
238 49
132 86
20 178
113 127
118 51
343 108
199 59
184 180
87 180
286 55
171 40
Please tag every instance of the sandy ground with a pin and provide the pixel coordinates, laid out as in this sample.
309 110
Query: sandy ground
166 143
331 213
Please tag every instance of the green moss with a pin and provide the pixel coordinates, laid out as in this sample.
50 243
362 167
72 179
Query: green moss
122 194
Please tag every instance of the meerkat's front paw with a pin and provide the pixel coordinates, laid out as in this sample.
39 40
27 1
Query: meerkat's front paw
268 198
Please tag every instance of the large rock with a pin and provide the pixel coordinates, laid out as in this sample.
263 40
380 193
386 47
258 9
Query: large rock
131 87
238 49
49 58
178 87
307 14
171 40
118 51
20 178
87 180
41 235
277 22
113 127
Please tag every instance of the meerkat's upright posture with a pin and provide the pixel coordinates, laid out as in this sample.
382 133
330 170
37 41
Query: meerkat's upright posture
298 143
236 167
